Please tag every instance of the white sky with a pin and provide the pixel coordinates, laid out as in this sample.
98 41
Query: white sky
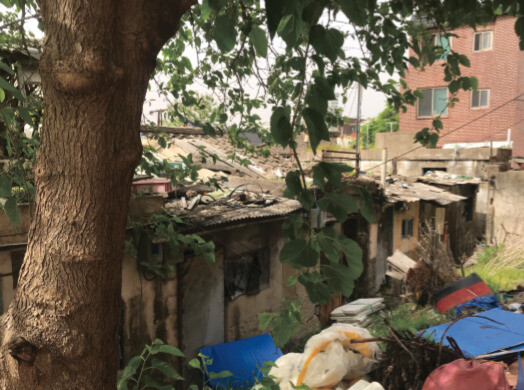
373 102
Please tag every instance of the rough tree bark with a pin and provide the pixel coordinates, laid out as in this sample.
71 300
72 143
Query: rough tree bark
60 332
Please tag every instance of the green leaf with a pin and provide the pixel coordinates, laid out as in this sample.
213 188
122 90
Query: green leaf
205 10
280 126
287 323
6 68
316 127
225 33
366 205
353 254
474 83
292 280
291 24
158 346
318 292
519 29
220 375
216 5
274 13
326 41
2 95
355 10
338 204
209 130
330 171
299 253
130 370
264 319
151 383
11 210
6 186
166 369
339 278
293 184
11 89
328 244
195 363
258 39
25 114
292 225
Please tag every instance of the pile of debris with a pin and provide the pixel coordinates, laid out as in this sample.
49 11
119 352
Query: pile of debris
357 312
336 358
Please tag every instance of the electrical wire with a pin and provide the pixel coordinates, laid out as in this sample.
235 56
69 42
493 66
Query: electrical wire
453 131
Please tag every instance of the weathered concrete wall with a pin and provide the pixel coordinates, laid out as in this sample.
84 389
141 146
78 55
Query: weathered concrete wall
406 245
508 213
149 309
9 234
6 282
241 314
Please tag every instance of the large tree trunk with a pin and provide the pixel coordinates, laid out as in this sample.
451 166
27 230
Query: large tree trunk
61 330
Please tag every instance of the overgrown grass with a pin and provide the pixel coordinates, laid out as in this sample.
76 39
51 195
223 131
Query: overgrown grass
406 316
501 267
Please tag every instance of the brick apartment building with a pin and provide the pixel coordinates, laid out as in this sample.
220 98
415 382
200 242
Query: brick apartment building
498 64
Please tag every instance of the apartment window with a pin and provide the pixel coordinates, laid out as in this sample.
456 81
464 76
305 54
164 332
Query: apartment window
407 228
480 98
483 41
433 102
443 43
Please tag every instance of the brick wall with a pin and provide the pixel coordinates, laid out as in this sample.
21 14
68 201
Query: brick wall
501 70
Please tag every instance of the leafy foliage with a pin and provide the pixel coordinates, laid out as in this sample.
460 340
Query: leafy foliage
152 369
164 228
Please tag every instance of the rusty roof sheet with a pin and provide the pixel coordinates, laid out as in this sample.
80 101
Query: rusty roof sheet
403 192
206 217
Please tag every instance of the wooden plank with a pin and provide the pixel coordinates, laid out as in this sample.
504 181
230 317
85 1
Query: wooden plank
172 130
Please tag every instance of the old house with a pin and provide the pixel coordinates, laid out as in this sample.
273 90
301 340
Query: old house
402 209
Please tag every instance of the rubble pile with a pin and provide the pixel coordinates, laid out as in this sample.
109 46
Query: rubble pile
357 312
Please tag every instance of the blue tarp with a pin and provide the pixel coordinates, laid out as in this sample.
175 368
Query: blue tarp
243 358
478 336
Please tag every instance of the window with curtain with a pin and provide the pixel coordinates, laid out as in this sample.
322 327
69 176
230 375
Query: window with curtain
443 44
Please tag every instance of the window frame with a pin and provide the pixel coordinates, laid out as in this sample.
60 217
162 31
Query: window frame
435 43
482 40
407 228
433 115
480 99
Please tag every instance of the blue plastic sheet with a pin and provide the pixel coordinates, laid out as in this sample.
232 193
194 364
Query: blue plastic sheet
243 358
484 303
500 330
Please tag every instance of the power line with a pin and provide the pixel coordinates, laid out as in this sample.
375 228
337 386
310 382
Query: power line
453 131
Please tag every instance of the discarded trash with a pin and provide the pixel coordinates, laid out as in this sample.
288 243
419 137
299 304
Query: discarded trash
243 358
462 291
357 312
463 374
477 305
493 333
329 357
365 385
409 359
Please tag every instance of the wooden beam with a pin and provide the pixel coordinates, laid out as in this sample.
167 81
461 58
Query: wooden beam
172 130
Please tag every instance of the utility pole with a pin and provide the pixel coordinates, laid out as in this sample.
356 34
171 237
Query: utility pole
359 104
390 128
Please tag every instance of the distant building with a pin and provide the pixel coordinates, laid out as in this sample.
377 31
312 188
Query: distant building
498 64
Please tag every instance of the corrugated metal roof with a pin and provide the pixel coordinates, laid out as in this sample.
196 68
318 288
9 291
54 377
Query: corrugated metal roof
210 216
402 192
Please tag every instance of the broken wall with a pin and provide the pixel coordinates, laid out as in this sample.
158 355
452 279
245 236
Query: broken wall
507 212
